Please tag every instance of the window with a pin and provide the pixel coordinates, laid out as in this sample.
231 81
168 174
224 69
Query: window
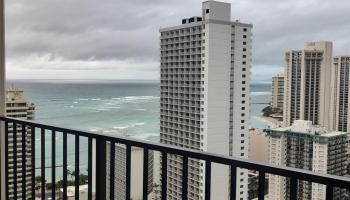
244 56
244 49
242 127
206 11
243 69
245 30
244 62
244 36
244 43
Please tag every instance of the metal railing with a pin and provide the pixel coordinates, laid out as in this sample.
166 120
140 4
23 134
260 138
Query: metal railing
99 169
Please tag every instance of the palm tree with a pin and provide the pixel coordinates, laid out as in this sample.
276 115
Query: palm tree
37 185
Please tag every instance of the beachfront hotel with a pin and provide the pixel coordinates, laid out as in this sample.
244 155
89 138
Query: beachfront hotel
18 107
311 147
277 92
205 75
307 87
340 96
118 175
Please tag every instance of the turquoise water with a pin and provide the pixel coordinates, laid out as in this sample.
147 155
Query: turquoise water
130 108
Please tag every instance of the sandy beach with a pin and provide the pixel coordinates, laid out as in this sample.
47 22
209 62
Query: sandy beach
272 122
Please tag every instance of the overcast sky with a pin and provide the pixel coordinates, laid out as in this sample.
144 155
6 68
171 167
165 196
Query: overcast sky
119 39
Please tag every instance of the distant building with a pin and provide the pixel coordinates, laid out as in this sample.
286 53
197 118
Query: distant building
277 92
340 97
136 172
18 107
309 147
204 101
307 75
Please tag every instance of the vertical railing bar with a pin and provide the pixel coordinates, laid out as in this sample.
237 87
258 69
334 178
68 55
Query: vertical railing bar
128 171
6 160
261 190
42 163
77 171
53 164
101 160
24 171
90 168
111 171
329 192
145 174
164 175
207 179
14 134
64 166
293 188
184 177
32 132
233 185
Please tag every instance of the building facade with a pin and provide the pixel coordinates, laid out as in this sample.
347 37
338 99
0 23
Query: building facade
204 101
309 147
307 84
18 107
277 92
340 97
120 172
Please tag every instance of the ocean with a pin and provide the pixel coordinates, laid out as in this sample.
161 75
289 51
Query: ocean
123 107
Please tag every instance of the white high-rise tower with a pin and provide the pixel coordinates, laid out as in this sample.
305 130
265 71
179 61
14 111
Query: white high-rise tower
205 74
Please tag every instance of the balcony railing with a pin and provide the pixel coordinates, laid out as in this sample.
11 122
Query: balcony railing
97 142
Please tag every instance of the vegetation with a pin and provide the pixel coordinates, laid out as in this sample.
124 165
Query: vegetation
268 110
83 180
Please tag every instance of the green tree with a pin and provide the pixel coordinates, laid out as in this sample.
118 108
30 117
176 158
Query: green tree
267 111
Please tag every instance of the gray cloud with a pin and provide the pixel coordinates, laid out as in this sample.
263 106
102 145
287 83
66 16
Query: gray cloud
123 35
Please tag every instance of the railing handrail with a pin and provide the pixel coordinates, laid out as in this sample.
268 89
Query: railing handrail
301 174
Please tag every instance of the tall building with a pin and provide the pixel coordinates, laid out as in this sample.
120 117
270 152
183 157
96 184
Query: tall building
340 97
309 147
307 84
277 92
18 107
204 105
120 172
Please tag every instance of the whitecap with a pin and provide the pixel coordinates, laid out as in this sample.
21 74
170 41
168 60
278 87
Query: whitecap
82 99
102 109
139 124
95 99
140 109
120 127
75 102
134 98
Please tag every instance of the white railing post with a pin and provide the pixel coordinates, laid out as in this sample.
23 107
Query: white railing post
2 100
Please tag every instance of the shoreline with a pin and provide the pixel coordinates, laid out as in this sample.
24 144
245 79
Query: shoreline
272 122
